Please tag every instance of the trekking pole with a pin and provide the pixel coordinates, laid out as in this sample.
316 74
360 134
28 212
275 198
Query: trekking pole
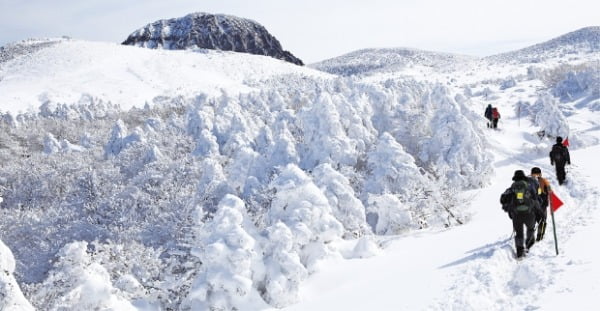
554 229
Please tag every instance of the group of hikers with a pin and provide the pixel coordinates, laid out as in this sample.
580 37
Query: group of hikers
492 115
526 200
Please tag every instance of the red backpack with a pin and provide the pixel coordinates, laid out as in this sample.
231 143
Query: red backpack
495 113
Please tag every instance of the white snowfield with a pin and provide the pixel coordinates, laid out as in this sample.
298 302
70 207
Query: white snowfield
125 75
247 183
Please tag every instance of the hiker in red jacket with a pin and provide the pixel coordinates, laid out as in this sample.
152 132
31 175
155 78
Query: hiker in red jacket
495 117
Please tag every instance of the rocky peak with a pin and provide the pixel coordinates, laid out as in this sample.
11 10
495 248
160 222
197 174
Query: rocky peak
210 31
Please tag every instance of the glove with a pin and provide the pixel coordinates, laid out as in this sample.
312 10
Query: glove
569 162
552 163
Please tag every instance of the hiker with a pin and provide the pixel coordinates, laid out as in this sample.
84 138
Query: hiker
559 157
488 115
543 192
495 117
518 201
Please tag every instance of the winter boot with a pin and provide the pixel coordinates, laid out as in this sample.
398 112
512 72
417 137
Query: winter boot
520 252
530 243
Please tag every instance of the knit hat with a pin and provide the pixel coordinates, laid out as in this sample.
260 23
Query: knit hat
519 175
558 139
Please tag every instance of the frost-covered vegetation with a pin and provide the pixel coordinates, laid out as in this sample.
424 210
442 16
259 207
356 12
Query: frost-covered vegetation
228 201
244 173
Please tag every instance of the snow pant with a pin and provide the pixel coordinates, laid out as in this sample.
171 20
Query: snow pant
541 221
495 123
521 219
561 175
490 122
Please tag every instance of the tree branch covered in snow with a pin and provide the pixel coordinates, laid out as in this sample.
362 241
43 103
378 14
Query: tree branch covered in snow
228 200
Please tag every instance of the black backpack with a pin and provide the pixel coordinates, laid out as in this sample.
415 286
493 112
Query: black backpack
507 200
523 200
558 153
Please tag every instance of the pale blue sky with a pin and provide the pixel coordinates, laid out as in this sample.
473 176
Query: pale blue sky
319 29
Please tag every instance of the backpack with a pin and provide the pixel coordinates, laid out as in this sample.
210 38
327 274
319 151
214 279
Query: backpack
507 200
495 113
523 200
558 153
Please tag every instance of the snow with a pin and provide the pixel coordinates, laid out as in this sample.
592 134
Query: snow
127 76
471 267
230 181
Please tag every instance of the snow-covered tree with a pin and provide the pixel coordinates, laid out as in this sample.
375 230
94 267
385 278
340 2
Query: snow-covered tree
301 206
284 271
11 297
549 117
77 282
346 207
228 258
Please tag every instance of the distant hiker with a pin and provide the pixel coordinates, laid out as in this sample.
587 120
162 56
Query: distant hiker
543 192
559 157
488 115
495 117
519 202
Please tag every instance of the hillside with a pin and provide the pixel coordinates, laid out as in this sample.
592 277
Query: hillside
377 61
143 179
63 70
572 45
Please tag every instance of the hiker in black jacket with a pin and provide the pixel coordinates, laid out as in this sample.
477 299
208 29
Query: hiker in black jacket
559 157
488 115
520 202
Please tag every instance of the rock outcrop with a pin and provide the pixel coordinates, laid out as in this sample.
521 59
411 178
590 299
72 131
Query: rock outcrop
210 31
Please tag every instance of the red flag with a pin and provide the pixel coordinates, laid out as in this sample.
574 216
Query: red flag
555 202
566 142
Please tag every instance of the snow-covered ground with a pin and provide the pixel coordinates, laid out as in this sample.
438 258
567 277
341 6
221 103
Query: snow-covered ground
248 183
129 76
471 267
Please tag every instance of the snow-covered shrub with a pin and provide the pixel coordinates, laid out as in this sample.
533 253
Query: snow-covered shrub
553 76
301 206
392 170
549 117
393 217
436 129
11 297
455 152
576 84
393 177
120 139
228 263
508 83
284 271
77 282
213 185
347 208
365 247
52 145
534 72
322 127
